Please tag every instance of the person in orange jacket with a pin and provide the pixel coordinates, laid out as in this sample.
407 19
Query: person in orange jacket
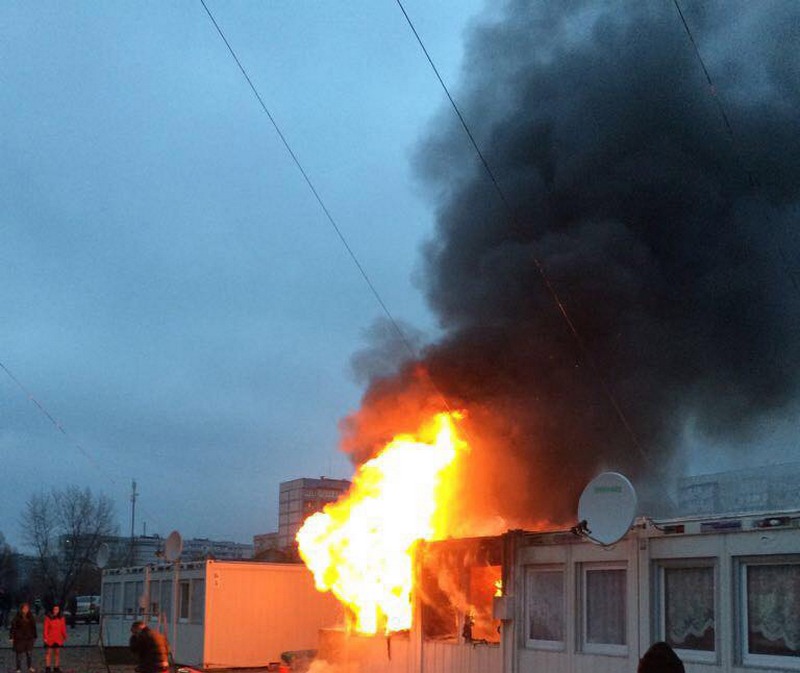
55 633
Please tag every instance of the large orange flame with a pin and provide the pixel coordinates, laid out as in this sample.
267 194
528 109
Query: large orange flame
360 548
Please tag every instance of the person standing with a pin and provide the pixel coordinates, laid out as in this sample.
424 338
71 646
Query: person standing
150 647
660 658
55 633
23 635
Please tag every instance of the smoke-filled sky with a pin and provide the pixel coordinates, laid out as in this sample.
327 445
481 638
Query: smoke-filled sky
635 289
173 295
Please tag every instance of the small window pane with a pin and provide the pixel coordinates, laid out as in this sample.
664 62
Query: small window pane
155 597
129 599
773 609
141 599
605 607
111 593
689 608
545 596
183 600
198 601
166 598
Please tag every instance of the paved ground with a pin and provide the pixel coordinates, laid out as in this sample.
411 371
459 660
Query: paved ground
74 659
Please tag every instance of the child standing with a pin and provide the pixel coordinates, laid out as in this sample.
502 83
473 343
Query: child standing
23 635
55 633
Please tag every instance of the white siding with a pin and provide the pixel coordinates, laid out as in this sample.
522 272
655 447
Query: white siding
256 611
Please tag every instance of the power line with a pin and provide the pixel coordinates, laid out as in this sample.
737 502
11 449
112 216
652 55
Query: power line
60 427
562 309
311 186
734 140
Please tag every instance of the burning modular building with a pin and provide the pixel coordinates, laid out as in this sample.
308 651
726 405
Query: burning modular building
723 591
219 614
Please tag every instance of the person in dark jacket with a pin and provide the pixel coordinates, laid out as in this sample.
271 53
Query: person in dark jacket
23 635
660 658
55 633
150 647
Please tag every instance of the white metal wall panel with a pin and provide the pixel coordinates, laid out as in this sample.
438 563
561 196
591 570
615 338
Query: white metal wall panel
255 611
438 657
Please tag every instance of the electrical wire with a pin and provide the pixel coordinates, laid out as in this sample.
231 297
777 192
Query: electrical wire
60 427
556 298
328 215
734 140
311 186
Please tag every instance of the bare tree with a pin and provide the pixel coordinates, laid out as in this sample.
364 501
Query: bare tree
65 528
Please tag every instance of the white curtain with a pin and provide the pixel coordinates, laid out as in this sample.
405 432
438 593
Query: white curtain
689 607
545 596
773 609
605 607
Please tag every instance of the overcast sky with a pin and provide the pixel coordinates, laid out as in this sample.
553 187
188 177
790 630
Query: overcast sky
171 292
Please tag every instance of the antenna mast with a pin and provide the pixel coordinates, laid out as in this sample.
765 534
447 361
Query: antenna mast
134 495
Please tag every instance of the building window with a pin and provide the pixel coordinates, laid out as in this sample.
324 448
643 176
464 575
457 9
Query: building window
604 609
770 612
166 598
129 599
155 597
183 600
111 602
687 608
141 599
198 601
545 607
484 582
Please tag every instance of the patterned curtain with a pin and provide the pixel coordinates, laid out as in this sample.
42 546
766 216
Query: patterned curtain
605 607
546 605
689 607
773 609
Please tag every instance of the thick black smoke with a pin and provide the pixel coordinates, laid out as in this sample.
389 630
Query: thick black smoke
671 241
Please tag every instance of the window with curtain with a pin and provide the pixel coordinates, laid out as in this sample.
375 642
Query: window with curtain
688 608
604 610
772 609
544 601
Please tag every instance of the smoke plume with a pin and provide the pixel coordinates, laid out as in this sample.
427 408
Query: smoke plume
663 215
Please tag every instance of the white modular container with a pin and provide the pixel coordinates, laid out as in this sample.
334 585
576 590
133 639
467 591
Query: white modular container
230 614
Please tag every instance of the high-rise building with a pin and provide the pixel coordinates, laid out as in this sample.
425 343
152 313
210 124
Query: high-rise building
299 499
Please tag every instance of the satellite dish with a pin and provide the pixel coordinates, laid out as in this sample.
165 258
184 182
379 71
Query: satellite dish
607 508
103 554
173 546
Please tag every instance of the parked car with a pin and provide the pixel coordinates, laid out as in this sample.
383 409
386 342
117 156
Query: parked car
87 610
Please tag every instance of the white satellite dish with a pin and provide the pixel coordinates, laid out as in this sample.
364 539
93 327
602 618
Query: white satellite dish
607 508
103 555
173 546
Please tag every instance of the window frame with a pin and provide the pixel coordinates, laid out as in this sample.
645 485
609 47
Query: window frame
536 643
129 609
662 565
187 603
744 657
605 649
197 600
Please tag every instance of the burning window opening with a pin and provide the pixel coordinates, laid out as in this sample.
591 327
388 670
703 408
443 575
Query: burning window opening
458 580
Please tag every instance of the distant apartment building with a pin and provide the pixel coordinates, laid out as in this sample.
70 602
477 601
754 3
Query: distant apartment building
147 549
760 489
300 498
